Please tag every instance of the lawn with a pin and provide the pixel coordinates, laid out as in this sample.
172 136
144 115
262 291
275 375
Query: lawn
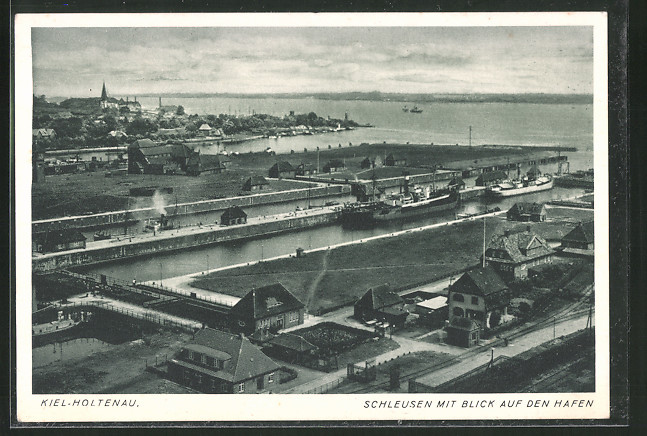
93 192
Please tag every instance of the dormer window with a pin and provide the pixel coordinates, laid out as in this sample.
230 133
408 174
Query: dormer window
272 302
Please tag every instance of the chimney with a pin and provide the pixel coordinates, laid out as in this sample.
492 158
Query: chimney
528 229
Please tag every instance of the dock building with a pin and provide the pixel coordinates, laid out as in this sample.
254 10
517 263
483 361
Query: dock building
512 254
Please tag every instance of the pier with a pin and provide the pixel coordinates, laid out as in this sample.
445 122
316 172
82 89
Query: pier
182 238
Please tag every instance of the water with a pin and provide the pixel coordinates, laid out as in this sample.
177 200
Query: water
440 123
67 350
159 267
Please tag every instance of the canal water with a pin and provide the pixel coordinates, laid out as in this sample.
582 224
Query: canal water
165 265
67 350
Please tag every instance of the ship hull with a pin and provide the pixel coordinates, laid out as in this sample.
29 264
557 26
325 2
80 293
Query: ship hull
371 215
520 191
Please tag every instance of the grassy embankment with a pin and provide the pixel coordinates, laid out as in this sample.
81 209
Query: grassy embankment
93 192
402 261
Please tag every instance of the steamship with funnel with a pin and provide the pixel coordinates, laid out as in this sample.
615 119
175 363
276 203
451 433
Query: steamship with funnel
413 202
533 181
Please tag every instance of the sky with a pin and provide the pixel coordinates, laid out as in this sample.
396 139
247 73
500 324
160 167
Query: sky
74 62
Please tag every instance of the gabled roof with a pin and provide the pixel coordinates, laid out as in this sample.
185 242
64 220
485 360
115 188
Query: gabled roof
515 245
491 176
293 342
480 281
380 297
527 208
462 323
283 166
205 126
157 150
584 232
456 181
206 161
43 132
247 361
267 301
391 156
257 180
143 143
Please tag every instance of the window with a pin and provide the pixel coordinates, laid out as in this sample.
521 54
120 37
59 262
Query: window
191 356
475 300
458 297
241 387
270 378
458 311
203 359
294 316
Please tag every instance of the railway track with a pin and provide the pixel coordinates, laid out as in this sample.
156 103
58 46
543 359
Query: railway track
570 311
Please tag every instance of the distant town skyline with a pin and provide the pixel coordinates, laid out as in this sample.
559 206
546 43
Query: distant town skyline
74 62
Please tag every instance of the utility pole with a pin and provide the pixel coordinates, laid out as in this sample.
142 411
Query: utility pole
161 284
483 242
470 136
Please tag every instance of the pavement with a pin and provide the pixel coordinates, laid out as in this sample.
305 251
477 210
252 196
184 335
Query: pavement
130 309
515 347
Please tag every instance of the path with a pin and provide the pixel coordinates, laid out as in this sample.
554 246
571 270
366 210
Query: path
315 283
515 347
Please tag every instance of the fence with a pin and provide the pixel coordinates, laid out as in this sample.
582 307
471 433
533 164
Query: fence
326 387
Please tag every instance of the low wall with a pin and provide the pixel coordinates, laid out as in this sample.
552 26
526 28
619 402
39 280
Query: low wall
123 217
129 249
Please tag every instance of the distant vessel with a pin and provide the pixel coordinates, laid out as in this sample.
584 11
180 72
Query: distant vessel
412 202
405 109
532 182
415 110
157 225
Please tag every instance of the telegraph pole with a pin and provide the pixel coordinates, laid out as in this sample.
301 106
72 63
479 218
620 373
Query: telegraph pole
470 136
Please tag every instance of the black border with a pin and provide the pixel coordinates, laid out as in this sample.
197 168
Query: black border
618 167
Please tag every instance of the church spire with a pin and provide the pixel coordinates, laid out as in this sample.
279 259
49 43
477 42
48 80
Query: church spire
104 94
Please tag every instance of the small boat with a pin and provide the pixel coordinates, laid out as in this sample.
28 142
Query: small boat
405 109
415 110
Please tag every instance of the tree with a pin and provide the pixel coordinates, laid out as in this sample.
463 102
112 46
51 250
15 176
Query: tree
141 126
180 110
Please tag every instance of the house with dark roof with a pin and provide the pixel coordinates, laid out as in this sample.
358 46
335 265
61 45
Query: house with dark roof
491 178
334 166
291 347
270 307
282 169
233 215
512 254
581 237
255 183
463 332
393 161
476 295
200 163
526 212
382 304
456 184
367 163
43 134
216 362
148 157
59 240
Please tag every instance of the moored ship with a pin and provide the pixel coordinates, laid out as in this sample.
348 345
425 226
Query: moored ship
534 181
414 202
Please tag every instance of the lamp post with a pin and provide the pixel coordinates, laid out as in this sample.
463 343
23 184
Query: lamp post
161 284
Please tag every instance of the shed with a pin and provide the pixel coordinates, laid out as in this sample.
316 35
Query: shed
581 237
527 212
382 304
233 215
282 169
463 332
255 183
60 240
334 166
393 161
491 178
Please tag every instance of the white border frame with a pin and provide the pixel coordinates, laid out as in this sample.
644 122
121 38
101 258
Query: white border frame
300 407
